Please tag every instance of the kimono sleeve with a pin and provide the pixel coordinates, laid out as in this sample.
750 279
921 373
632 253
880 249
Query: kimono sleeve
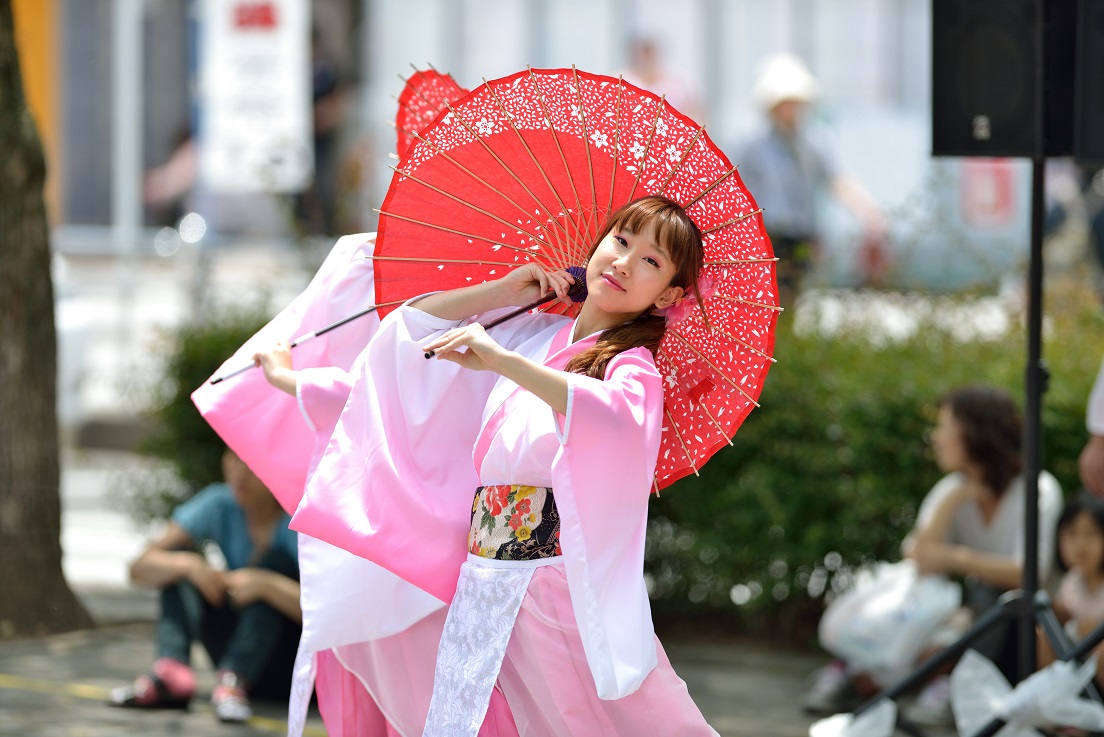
340 592
322 393
396 480
602 476
262 424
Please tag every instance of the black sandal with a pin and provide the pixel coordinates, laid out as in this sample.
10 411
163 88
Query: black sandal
127 696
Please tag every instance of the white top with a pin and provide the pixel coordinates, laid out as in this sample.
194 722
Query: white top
1085 607
1004 534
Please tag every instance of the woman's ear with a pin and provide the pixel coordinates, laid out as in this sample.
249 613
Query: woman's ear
670 296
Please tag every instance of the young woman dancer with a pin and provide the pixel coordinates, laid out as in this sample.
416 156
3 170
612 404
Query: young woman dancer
553 426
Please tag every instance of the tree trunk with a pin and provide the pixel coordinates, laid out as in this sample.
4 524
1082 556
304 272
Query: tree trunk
34 596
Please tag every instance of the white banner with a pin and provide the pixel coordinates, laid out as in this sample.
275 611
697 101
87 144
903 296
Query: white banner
255 127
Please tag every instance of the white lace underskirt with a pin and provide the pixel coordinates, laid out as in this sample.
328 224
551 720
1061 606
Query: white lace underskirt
477 629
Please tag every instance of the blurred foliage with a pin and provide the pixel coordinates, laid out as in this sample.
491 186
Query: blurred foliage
190 449
828 473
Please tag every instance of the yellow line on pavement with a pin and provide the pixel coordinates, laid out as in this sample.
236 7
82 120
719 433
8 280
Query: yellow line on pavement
80 690
99 693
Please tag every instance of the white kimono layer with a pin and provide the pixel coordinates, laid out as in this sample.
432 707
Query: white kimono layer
397 480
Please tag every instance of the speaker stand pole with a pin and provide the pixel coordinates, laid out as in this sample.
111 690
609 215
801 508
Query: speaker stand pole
1035 386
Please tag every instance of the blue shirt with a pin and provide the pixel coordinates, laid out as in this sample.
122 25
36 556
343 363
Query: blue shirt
784 174
213 514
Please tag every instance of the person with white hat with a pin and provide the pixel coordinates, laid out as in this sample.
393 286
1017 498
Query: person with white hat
786 170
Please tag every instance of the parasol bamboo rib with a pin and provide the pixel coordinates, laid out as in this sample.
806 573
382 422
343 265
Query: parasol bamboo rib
616 142
445 155
745 344
748 302
685 449
592 227
533 158
561 252
710 188
556 140
733 221
479 139
424 99
712 365
473 262
716 424
733 338
741 261
471 206
678 165
655 485
720 430
647 149
570 229
473 236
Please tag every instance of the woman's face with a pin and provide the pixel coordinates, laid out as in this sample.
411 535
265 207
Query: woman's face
947 442
1081 544
629 273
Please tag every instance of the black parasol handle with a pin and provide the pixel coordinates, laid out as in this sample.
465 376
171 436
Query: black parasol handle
300 340
577 293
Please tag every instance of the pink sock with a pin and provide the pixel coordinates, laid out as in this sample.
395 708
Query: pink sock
177 677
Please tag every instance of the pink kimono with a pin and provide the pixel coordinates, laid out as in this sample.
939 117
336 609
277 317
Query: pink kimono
369 638
568 639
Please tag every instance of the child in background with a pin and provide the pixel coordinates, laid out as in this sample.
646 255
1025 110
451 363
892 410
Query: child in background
1080 598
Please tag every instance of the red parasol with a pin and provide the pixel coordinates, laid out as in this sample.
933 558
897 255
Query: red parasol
425 94
526 168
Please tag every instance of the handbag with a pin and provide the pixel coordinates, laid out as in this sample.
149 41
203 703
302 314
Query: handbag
880 625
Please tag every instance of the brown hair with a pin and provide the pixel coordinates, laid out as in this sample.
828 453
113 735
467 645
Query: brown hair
991 431
673 229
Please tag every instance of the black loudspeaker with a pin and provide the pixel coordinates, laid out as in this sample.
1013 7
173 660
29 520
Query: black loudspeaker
987 81
1088 121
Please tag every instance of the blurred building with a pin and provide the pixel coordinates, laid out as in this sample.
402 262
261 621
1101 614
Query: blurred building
872 58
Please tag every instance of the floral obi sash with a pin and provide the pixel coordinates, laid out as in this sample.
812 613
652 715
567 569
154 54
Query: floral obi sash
514 522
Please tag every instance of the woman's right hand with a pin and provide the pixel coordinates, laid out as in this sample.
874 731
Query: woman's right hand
277 367
530 282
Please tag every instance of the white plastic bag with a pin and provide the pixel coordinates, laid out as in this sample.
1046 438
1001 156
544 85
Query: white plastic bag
1048 698
879 627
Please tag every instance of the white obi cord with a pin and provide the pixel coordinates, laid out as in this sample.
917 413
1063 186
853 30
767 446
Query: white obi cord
477 629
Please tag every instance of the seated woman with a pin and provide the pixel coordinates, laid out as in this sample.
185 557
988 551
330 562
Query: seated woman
248 617
970 526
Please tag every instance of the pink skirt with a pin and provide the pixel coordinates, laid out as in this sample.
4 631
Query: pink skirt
547 682
393 677
544 688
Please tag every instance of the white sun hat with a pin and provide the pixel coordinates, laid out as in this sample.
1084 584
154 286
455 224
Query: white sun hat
784 77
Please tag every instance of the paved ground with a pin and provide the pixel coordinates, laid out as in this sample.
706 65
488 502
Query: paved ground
56 686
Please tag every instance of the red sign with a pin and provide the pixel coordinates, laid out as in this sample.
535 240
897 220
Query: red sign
987 192
257 15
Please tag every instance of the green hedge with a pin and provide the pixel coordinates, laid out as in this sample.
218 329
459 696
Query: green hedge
825 475
829 471
190 451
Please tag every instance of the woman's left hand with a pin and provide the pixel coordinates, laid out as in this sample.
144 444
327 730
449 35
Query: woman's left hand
481 350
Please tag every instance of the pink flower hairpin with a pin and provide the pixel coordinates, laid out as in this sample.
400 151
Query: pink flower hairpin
688 303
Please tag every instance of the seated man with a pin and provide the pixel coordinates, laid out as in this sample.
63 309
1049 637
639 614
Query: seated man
248 617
